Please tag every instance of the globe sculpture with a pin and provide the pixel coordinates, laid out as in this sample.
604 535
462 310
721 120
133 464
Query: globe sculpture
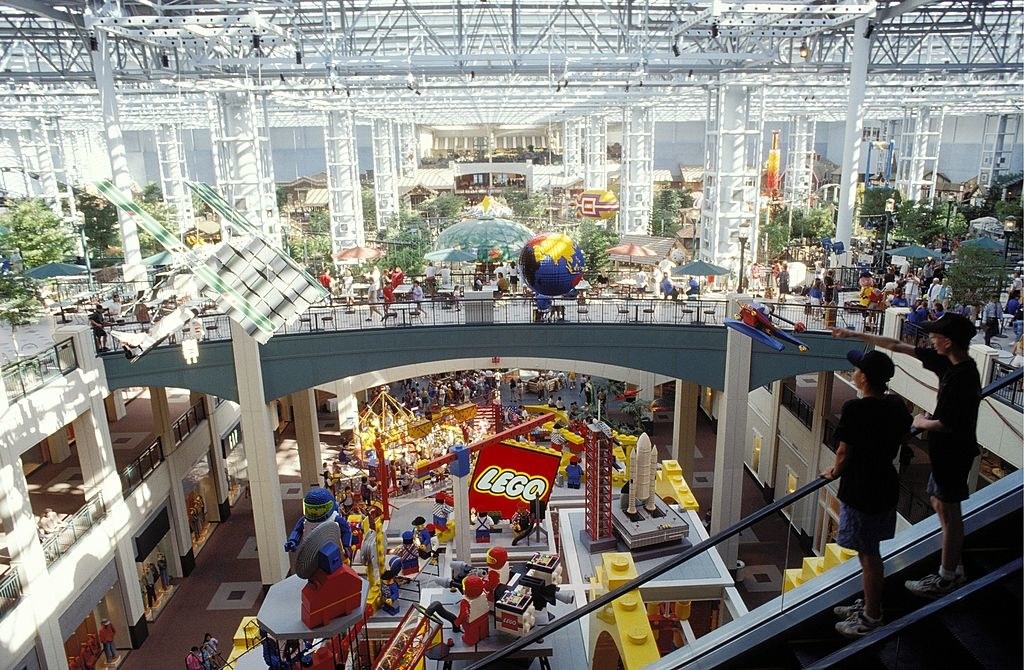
551 264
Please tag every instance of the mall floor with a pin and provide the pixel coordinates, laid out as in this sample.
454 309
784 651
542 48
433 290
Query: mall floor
225 584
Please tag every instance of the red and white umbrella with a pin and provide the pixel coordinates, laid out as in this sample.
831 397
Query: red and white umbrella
632 251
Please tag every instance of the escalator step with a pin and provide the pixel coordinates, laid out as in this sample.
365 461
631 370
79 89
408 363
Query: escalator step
987 629
924 646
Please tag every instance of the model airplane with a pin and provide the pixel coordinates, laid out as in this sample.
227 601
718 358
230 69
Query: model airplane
755 321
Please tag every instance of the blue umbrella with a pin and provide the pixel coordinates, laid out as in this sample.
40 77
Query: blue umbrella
914 251
699 268
986 243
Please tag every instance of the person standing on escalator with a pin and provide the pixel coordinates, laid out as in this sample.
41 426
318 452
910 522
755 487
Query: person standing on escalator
952 435
871 429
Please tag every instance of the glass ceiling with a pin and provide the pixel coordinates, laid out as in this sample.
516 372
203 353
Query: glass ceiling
511 62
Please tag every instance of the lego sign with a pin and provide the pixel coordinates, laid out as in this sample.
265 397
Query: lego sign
508 477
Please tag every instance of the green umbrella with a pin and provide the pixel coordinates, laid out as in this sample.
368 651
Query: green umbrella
51 270
914 251
159 259
986 243
699 268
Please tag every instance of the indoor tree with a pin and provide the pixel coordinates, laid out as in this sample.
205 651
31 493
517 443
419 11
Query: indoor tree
39 234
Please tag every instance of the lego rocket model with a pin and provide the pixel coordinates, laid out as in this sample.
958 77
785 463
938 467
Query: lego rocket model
642 473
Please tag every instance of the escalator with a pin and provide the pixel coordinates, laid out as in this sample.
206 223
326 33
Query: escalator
977 626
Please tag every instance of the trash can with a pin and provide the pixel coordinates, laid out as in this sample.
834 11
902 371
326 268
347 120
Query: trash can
479 306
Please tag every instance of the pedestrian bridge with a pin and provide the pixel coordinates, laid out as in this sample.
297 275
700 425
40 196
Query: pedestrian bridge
607 341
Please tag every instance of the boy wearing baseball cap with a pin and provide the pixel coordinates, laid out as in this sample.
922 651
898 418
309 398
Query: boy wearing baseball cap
952 441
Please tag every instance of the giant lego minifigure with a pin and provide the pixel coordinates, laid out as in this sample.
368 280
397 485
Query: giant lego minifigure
318 507
474 611
574 473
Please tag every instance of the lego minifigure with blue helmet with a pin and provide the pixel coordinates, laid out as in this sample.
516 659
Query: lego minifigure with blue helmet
318 507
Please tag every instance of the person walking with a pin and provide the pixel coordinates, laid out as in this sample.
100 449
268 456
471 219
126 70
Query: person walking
194 660
952 434
869 434
106 636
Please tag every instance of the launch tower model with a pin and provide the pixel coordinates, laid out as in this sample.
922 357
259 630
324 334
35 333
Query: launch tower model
597 533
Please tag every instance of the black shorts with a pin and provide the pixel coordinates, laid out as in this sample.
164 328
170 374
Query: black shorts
948 481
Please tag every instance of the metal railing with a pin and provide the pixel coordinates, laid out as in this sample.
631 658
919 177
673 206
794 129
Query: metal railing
1011 394
144 464
60 541
31 374
10 591
189 421
797 405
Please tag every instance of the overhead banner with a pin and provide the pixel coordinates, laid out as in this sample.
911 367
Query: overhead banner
508 477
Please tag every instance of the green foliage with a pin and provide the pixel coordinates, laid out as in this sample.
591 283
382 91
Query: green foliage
774 232
872 201
37 232
100 217
525 206
406 250
446 206
19 300
595 239
369 209
152 201
975 275
666 214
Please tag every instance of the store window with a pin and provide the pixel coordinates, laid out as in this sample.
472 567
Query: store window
235 465
200 491
155 581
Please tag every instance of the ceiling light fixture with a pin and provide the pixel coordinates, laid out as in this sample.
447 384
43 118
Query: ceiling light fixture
298 57
805 51
870 29
675 49
165 61
689 75
714 31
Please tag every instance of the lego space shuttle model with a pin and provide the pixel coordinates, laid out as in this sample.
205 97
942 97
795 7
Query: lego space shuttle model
642 472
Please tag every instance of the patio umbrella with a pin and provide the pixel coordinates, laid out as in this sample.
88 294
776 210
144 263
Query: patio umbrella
159 259
986 243
450 255
632 251
914 251
489 239
51 270
700 269
358 254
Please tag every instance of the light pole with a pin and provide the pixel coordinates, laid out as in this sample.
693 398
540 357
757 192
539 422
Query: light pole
890 207
77 221
742 238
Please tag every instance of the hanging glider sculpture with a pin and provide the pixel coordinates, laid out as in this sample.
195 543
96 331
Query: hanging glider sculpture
256 285
755 321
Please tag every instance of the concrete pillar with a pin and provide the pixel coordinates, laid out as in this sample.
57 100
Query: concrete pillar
854 129
130 602
96 453
182 562
684 427
219 470
261 455
115 407
58 446
103 64
348 404
307 435
726 508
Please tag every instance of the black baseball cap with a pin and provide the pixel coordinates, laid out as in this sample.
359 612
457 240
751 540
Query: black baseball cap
875 365
956 327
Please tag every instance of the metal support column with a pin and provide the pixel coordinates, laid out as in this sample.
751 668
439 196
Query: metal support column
731 183
244 176
798 188
385 187
37 155
595 150
572 142
408 149
636 177
918 154
344 194
173 174
999 139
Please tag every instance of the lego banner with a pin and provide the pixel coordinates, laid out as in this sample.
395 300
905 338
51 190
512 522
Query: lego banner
508 477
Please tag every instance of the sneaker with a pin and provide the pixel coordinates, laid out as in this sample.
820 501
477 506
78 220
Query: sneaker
857 626
933 586
849 611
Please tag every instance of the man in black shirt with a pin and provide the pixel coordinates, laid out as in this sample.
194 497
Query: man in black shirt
952 441
870 431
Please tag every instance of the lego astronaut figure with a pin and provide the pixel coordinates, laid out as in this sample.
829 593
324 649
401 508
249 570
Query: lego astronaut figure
474 611
319 507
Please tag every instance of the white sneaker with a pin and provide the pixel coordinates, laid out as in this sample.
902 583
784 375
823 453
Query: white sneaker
934 587
848 611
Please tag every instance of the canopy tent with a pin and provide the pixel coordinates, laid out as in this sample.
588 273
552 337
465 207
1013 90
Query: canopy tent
700 269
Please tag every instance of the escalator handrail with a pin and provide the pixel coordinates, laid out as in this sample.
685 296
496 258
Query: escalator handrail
697 549
657 571
880 635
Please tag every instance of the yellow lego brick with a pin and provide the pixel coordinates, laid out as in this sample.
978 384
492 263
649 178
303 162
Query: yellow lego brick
249 624
813 566
792 579
636 639
618 568
571 437
834 555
